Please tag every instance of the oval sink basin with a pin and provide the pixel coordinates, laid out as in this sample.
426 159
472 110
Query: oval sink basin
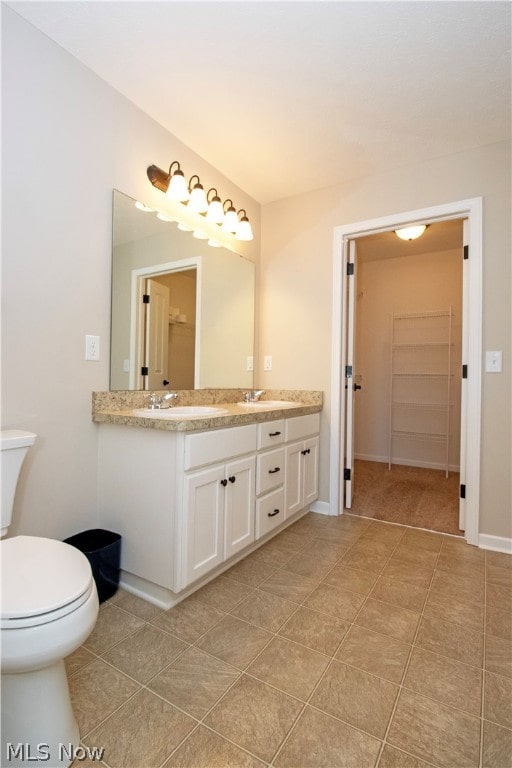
268 404
179 411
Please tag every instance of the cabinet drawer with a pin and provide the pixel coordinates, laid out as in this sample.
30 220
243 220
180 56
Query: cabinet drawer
302 426
218 445
269 512
270 470
270 433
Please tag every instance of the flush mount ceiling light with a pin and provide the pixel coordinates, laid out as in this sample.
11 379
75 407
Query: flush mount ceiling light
411 233
192 195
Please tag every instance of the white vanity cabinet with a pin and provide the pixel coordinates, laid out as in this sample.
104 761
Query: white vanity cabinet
301 468
217 513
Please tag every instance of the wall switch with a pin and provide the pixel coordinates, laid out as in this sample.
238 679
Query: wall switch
250 363
267 363
126 365
92 347
493 361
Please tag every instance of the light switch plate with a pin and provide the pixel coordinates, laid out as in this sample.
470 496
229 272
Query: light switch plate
267 363
493 361
250 363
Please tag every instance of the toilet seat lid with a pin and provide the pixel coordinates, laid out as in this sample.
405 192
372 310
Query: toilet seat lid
40 576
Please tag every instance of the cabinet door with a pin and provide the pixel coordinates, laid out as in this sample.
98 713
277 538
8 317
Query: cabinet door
310 471
294 478
204 499
239 510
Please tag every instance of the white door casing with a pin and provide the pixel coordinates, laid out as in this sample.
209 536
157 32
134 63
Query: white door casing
350 372
471 212
157 334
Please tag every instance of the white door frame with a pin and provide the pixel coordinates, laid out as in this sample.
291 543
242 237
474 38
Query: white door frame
471 210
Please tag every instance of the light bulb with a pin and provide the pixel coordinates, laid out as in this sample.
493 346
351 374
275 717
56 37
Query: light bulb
177 189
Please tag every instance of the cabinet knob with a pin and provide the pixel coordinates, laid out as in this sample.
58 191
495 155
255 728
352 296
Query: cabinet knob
274 513
232 479
273 434
273 471
224 482
306 451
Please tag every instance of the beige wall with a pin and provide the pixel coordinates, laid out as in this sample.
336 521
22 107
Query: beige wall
296 291
68 140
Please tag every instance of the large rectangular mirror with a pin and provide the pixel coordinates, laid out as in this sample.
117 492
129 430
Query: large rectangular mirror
182 311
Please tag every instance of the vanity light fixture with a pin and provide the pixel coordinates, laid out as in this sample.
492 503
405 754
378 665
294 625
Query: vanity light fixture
214 243
244 231
411 233
200 235
192 195
230 218
141 207
163 216
215 213
197 202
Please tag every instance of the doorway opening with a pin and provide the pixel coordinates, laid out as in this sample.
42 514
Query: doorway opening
407 378
468 215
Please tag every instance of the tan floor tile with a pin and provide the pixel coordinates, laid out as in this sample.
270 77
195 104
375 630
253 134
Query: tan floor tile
234 641
348 522
289 586
205 749
497 751
145 653
445 680
500 559
252 571
305 565
78 659
499 595
188 620
395 758
449 608
318 631
290 540
222 593
378 654
357 698
276 553
452 640
391 534
254 716
434 732
364 561
461 565
335 602
328 551
194 682
498 699
135 605
494 574
423 539
343 536
265 610
111 626
498 622
144 731
450 585
96 691
321 741
372 545
417 576
498 656
388 620
408 553
342 577
398 593
289 667
458 546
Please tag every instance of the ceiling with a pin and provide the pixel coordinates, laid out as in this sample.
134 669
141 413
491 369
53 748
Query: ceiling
287 97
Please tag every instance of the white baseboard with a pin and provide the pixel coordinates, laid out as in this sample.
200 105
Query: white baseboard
496 543
321 507
406 462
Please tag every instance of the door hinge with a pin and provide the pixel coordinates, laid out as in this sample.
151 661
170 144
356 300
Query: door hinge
347 472
144 371
348 371
466 251
350 268
464 371
145 298
463 491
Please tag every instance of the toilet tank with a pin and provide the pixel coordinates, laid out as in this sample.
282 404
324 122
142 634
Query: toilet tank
14 445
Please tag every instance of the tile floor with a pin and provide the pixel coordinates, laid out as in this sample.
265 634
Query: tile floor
423 498
343 642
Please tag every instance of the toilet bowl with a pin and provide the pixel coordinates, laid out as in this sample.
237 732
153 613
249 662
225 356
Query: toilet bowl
49 605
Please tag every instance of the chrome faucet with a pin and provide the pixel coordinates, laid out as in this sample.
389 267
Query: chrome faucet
157 402
253 396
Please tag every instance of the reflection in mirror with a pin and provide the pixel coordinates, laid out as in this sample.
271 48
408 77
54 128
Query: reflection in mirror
182 311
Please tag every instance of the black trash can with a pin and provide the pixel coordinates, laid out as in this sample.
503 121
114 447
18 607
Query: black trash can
103 550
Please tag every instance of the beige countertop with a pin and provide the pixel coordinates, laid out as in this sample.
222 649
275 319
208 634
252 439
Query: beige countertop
119 407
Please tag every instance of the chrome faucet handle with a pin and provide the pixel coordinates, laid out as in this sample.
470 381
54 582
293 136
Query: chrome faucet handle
247 397
154 401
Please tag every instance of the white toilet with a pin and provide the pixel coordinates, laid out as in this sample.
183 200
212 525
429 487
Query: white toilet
49 606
